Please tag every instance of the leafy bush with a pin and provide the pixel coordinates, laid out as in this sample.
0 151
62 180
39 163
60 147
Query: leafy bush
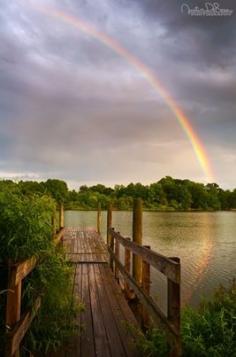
25 225
153 344
56 318
211 330
26 231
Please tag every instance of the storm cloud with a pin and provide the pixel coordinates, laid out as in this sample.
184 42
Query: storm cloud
72 108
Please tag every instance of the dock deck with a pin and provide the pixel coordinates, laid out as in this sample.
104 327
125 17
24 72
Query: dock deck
107 318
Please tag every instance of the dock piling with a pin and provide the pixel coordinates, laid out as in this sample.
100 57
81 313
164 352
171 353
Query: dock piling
137 238
99 218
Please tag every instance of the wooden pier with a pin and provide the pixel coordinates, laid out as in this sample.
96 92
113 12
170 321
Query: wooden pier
108 278
106 320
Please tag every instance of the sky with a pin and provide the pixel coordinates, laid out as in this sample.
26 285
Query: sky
72 108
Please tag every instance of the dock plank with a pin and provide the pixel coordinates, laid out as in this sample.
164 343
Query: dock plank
104 321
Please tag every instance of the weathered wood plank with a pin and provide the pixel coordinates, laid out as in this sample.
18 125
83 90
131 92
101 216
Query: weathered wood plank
165 265
58 236
15 337
157 315
113 336
87 334
121 313
100 337
22 270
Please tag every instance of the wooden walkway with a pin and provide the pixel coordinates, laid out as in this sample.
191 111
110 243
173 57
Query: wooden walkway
106 321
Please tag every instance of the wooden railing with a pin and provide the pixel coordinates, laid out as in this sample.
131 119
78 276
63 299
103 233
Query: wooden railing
18 322
138 281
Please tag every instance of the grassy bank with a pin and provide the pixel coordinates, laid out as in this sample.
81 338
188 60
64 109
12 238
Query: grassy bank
209 331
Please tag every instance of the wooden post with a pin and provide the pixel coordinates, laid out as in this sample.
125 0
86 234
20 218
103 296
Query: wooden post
109 224
112 249
99 218
54 226
173 309
13 310
61 216
117 254
129 293
146 283
137 238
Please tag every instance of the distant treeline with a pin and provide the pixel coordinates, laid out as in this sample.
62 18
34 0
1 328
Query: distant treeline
165 194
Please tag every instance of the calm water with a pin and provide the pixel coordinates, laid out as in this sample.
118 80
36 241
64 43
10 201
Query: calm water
205 243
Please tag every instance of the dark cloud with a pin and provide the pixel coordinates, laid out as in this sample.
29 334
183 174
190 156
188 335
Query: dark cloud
72 107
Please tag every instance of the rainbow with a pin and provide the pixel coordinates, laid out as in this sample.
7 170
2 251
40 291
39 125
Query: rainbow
147 73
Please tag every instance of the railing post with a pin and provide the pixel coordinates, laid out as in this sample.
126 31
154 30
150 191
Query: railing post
112 249
54 226
137 238
146 283
99 218
173 309
128 292
117 254
61 216
13 311
109 224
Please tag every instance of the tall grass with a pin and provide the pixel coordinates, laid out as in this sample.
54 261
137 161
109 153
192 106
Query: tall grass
26 231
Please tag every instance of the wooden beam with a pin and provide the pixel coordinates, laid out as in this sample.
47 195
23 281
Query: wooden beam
99 218
58 236
137 238
23 269
15 336
165 265
117 254
13 309
54 224
111 248
128 292
173 306
146 283
156 314
109 223
61 216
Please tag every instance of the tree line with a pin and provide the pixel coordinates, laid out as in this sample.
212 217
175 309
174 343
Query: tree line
165 194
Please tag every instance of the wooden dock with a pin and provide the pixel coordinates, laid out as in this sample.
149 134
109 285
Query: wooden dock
106 321
106 277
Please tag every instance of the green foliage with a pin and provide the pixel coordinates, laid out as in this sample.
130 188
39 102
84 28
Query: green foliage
26 231
166 194
211 330
25 225
153 343
57 189
56 320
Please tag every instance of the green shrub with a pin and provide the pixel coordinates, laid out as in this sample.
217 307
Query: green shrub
25 225
153 343
56 318
26 231
211 330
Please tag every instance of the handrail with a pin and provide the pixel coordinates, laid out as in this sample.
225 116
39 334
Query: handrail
170 267
157 315
16 323
165 265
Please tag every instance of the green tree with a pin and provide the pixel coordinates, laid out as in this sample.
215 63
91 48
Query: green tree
57 189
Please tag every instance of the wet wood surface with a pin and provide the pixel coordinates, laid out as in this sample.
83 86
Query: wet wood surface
107 324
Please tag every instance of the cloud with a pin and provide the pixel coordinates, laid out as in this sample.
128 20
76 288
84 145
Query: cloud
71 107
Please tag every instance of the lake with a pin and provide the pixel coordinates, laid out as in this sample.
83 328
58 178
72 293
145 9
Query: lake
204 241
